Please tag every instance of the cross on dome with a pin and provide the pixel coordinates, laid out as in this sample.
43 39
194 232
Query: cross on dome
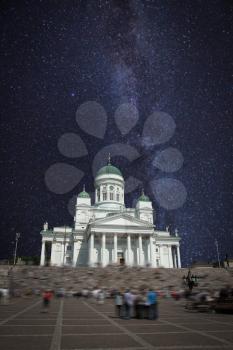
109 159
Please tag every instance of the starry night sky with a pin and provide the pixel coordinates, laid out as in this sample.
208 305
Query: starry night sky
169 56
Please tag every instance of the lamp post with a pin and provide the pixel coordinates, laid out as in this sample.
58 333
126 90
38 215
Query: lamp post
216 243
63 263
17 236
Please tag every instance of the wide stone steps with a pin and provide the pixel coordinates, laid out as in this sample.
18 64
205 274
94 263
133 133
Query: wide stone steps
28 278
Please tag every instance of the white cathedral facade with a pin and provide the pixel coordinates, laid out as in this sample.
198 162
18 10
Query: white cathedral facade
108 233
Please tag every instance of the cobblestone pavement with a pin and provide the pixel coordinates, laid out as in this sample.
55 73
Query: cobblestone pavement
81 324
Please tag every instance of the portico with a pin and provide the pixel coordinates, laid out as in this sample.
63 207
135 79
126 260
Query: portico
122 236
107 248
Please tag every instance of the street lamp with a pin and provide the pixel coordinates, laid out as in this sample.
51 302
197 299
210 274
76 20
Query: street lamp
17 236
216 243
64 248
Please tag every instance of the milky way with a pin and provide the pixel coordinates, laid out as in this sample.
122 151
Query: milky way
170 57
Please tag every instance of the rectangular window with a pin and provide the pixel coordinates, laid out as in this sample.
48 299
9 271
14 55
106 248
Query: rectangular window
104 196
118 197
111 196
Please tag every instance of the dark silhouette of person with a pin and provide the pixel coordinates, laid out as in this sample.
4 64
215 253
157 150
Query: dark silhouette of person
227 260
190 281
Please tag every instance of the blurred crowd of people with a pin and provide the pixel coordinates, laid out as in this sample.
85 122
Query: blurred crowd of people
140 305
128 304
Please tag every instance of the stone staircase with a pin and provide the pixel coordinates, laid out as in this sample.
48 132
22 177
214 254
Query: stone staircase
25 279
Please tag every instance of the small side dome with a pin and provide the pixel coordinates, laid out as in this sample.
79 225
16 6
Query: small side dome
143 197
83 194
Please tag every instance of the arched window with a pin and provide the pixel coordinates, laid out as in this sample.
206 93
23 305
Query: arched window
104 193
111 194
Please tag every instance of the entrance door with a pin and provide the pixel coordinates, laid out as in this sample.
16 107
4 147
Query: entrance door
120 258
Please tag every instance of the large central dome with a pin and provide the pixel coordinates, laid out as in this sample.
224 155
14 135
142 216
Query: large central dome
109 169
109 188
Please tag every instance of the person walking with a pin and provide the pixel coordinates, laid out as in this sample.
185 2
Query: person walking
118 303
47 296
128 304
4 296
101 297
152 304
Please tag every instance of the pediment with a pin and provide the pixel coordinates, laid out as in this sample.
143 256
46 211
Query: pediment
121 220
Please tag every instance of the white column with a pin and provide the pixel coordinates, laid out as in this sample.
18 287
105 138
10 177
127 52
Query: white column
152 256
62 253
103 249
101 193
160 255
163 261
140 249
63 261
128 250
52 259
170 257
115 248
91 249
178 256
175 256
96 196
74 257
42 255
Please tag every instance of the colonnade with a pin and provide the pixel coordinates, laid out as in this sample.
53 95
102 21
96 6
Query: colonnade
137 252
45 258
117 193
129 262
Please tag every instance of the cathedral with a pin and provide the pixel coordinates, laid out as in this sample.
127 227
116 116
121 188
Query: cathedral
108 233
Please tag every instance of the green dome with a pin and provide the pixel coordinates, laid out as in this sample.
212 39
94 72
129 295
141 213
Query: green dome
83 194
143 198
109 169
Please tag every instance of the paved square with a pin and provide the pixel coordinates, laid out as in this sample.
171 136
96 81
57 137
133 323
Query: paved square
82 324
